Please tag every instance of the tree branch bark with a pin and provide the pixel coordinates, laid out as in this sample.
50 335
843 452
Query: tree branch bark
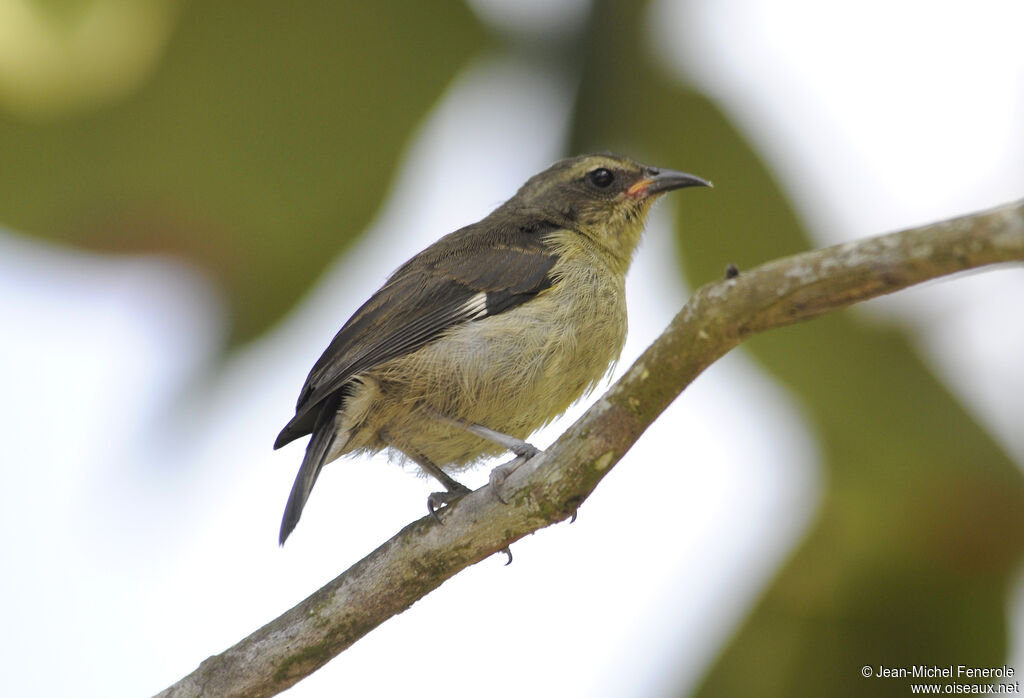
551 486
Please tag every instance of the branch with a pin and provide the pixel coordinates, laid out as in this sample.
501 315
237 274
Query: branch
551 486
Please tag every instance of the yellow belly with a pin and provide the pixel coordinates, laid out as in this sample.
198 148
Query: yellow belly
512 372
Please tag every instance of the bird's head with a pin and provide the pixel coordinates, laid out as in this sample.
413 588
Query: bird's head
605 197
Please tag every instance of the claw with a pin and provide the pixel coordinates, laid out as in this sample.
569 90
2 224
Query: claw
500 474
497 481
434 503
437 500
508 552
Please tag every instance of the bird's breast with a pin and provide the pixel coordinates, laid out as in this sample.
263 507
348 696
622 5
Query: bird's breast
519 369
512 372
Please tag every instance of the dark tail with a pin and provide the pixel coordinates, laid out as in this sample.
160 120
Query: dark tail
316 455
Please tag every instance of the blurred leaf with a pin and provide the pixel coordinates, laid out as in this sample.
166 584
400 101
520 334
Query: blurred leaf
61 57
262 144
922 527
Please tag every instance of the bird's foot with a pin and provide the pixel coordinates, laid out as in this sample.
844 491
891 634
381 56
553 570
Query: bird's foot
437 500
500 474
524 450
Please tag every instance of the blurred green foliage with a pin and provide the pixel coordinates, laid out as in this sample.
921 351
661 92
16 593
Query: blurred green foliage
263 143
922 528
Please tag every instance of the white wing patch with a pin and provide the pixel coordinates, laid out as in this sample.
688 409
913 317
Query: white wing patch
476 307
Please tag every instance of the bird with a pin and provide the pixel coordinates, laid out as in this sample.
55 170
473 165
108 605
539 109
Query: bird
486 335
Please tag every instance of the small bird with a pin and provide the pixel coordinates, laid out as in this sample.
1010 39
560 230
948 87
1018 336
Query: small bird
486 335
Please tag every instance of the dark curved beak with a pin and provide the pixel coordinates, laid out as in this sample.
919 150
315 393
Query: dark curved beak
659 181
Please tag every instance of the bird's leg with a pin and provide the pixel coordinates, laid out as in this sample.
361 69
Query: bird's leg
524 451
517 446
455 490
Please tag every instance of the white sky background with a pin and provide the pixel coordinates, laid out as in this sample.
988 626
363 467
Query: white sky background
142 537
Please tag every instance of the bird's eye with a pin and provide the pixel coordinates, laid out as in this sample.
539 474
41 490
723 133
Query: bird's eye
601 177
